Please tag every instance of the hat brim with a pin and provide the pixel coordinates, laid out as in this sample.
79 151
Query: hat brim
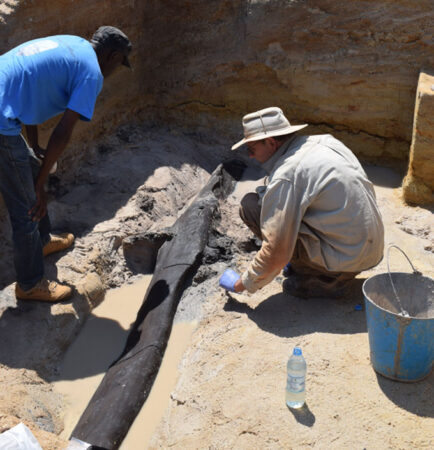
258 137
126 62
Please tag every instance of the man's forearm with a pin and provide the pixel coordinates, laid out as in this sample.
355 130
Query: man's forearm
56 144
32 136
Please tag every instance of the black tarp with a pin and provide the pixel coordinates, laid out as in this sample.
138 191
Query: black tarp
128 381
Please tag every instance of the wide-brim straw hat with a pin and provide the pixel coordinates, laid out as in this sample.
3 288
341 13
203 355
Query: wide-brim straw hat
266 123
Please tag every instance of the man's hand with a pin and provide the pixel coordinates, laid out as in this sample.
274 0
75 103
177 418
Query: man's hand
231 281
40 209
39 152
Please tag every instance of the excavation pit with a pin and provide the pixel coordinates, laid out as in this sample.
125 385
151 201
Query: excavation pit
352 69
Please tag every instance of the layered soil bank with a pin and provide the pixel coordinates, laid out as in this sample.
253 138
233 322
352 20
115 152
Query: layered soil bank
418 185
351 66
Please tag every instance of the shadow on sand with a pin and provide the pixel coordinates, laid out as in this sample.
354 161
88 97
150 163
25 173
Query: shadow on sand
303 415
35 336
32 337
287 316
107 180
416 398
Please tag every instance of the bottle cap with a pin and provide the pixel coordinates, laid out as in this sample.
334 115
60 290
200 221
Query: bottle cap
297 351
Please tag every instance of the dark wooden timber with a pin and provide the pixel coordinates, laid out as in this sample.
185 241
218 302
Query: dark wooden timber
128 381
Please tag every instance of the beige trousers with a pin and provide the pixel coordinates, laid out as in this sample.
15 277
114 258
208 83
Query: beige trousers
250 213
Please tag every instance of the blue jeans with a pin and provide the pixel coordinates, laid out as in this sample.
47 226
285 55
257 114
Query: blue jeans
18 170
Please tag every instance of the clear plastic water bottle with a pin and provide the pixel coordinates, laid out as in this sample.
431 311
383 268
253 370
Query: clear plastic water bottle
296 379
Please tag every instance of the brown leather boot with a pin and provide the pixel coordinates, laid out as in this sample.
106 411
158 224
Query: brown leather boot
58 242
318 286
44 291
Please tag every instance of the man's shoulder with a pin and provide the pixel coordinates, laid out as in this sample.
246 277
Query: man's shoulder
45 45
79 53
74 47
297 150
308 148
303 154
68 39
301 144
312 140
48 50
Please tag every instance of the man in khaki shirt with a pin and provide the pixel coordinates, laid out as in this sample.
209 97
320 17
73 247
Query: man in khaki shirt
317 210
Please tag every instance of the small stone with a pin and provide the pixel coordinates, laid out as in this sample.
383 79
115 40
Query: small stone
91 287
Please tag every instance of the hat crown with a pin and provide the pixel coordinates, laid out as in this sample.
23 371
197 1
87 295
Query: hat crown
265 121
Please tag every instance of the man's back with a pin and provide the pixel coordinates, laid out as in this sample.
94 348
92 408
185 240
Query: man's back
340 224
42 78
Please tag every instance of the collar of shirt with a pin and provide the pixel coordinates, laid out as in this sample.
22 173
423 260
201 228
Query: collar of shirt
269 164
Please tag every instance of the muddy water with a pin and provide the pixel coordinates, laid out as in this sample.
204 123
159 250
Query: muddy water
153 409
100 341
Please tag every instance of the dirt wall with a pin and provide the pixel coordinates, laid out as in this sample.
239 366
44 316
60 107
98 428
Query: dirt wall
346 67
418 185
352 66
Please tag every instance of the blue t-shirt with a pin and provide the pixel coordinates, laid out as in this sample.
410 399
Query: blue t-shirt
42 78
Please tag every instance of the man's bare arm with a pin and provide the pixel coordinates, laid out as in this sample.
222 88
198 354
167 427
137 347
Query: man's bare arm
32 140
58 140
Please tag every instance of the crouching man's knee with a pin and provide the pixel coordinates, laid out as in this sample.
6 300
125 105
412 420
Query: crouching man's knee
250 213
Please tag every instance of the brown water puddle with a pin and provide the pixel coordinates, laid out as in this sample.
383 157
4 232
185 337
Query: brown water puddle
152 411
100 341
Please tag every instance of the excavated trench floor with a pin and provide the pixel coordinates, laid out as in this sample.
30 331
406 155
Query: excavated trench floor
228 389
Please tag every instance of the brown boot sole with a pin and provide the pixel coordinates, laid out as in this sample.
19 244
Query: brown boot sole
35 297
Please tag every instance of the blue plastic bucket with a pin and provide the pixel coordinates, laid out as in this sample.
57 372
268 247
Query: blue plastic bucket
401 345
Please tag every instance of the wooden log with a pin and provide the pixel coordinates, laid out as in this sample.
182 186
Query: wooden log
127 383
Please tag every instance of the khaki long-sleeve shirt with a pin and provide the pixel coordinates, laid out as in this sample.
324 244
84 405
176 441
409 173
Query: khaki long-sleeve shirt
317 193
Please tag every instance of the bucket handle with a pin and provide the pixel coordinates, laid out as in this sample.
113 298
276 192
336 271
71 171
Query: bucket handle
415 272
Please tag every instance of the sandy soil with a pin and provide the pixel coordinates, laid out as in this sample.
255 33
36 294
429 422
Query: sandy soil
135 180
230 392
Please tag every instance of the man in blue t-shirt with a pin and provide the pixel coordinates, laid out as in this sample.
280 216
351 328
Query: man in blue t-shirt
39 80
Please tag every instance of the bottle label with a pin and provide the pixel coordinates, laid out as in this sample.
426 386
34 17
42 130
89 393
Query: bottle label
295 384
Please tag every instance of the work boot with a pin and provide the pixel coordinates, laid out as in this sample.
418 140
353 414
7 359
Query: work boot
287 270
317 286
58 242
44 291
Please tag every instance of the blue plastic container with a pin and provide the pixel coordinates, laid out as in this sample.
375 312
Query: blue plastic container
401 348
